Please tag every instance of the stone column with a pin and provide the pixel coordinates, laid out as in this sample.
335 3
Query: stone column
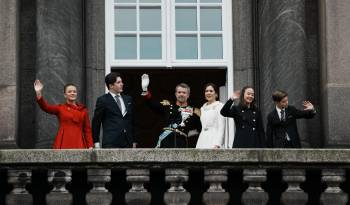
254 194
282 42
137 194
95 50
335 51
243 51
59 194
9 35
59 58
19 195
215 195
333 194
294 195
99 195
176 194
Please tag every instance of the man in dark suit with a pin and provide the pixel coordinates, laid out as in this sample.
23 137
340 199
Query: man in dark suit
282 131
114 111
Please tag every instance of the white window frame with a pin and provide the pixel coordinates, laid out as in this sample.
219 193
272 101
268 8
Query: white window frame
168 47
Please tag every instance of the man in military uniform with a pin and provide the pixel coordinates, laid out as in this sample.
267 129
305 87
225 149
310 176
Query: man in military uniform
181 118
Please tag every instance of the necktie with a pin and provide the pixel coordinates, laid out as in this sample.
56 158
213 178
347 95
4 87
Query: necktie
118 102
283 117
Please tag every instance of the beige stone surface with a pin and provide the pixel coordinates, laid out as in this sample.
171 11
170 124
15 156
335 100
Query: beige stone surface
8 71
335 69
7 113
336 18
172 157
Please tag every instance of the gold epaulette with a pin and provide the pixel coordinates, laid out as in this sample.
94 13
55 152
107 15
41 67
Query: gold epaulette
165 102
197 112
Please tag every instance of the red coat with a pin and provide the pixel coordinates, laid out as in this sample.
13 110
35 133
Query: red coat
74 125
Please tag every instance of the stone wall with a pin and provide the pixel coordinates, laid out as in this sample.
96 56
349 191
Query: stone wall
288 56
9 27
335 61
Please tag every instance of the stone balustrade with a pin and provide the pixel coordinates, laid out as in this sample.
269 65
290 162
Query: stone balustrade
174 176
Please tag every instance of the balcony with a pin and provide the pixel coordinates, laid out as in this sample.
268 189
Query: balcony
174 176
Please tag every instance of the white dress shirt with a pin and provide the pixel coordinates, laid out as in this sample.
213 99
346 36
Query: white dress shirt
121 102
279 115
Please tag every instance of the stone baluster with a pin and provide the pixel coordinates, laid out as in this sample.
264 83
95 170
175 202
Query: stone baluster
215 193
254 194
99 195
294 195
19 195
333 194
137 194
176 194
59 194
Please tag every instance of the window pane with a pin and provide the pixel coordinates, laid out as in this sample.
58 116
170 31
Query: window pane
211 47
150 47
124 1
186 1
125 47
125 19
210 1
186 19
149 1
150 19
210 19
186 47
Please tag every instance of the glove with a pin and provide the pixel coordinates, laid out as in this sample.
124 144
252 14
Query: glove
144 84
97 145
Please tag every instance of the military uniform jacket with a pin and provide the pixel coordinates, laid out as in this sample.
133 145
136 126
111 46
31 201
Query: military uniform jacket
276 129
172 115
249 127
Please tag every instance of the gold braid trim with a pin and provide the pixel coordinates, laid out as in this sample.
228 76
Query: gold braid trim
197 112
165 102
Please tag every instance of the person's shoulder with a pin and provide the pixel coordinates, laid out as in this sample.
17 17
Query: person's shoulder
165 103
271 113
105 96
291 108
197 111
126 96
220 104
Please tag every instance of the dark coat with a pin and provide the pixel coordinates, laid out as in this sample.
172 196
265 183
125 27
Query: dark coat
249 126
118 130
276 129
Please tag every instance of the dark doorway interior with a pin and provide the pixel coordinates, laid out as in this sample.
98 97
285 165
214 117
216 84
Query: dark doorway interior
162 85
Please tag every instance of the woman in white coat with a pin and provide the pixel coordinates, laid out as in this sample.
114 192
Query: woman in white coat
213 123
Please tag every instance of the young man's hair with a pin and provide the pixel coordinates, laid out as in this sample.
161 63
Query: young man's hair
278 95
111 78
183 85
67 85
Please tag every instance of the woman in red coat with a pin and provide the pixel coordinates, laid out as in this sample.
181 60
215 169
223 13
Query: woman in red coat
74 125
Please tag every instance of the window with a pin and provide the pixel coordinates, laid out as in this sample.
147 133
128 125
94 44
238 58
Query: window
192 34
198 29
167 33
137 29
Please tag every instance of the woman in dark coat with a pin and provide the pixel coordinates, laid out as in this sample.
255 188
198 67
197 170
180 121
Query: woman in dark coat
249 126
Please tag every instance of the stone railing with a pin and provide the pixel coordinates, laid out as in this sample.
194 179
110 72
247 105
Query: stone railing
174 176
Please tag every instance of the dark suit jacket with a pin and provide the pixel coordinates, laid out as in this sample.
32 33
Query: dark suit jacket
118 130
276 129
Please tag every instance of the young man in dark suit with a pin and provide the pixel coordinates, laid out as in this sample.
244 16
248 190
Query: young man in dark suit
282 131
114 111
